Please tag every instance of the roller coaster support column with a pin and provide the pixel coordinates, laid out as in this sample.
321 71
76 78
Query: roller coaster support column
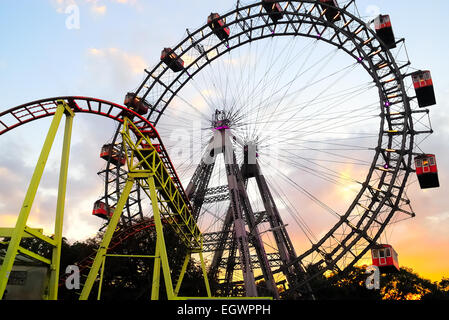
206 280
107 239
160 242
156 274
183 271
21 230
56 253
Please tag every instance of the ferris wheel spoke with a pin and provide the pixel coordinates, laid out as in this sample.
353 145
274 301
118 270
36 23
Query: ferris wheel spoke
331 175
293 212
304 191
260 83
262 105
293 106
306 106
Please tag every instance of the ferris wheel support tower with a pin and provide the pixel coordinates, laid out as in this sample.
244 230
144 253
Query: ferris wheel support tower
240 229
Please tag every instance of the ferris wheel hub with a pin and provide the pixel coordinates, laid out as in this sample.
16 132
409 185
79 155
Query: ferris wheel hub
221 121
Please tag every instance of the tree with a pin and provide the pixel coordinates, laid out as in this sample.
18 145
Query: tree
131 278
406 285
348 285
402 285
444 285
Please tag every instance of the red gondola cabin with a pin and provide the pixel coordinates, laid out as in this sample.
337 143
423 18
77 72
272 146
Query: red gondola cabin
384 31
217 25
172 60
274 10
425 93
136 104
385 258
109 152
427 171
101 210
332 13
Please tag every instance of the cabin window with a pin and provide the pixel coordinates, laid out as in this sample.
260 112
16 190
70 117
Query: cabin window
388 252
432 161
375 255
382 253
419 163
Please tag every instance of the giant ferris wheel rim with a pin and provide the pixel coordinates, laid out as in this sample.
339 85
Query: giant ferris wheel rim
389 189
242 15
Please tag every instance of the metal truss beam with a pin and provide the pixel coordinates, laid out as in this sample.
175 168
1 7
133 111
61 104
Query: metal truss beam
147 169
21 230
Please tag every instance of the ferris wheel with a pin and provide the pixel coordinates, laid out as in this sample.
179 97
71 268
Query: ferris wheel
294 126
291 131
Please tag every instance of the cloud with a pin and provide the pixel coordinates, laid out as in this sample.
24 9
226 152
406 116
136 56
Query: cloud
131 2
62 5
95 52
84 186
98 10
439 218
130 62
109 70
97 7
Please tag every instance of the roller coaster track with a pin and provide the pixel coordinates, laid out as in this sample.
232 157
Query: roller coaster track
148 164
25 113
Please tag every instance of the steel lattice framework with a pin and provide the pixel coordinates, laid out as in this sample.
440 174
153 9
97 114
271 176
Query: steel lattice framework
382 193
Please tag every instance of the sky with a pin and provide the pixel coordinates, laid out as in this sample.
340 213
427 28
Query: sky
100 48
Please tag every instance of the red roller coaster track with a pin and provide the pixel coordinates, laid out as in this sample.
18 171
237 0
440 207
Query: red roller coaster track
25 113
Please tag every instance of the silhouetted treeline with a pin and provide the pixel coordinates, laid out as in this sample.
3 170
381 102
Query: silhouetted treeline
131 278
